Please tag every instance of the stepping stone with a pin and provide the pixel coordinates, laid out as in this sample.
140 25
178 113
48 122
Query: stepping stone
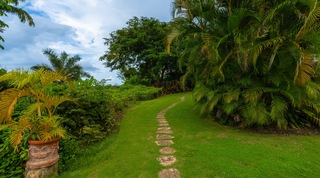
160 117
173 105
167 150
164 125
169 173
163 122
166 160
164 128
164 136
164 142
164 132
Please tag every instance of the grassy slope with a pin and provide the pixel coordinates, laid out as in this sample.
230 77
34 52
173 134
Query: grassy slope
204 149
131 153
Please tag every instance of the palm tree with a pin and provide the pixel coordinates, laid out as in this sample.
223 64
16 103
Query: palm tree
252 65
9 6
63 63
38 120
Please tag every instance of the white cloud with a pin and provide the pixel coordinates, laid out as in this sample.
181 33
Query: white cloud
75 26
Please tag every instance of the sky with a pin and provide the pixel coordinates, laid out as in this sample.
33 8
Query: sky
75 26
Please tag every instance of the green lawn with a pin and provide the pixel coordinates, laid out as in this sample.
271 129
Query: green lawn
204 149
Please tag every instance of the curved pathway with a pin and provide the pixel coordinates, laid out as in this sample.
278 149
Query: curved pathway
164 140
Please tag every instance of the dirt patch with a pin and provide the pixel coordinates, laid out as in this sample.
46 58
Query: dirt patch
169 173
166 160
167 150
222 135
164 142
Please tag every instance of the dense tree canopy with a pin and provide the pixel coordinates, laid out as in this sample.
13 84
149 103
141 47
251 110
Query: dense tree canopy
255 61
63 63
138 51
10 6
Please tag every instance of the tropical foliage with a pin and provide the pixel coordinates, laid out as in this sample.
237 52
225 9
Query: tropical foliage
37 121
99 107
10 6
137 51
12 162
255 63
63 63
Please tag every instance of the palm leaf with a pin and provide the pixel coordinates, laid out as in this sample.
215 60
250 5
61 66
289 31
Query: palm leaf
278 108
17 129
305 69
8 99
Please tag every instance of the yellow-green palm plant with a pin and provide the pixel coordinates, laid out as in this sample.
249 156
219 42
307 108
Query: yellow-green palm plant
38 119
249 60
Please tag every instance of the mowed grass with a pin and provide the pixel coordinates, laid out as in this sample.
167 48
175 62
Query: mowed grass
207 149
204 148
130 153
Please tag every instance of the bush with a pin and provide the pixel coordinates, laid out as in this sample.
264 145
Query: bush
12 163
89 119
251 65
68 151
98 107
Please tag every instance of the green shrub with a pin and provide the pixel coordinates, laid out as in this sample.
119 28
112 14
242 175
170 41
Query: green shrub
98 107
250 63
12 163
139 92
68 151
89 119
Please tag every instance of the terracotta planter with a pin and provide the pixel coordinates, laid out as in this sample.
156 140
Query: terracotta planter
43 158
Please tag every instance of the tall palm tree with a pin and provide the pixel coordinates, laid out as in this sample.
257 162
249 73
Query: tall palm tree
63 63
9 6
252 64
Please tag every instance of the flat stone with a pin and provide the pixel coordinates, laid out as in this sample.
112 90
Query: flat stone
164 136
164 128
163 125
164 132
164 142
169 173
167 150
173 105
161 119
163 122
161 114
166 160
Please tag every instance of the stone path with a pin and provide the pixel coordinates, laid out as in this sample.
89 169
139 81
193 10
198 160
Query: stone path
164 140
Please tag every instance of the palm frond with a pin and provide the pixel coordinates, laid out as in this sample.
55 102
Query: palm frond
305 69
173 34
8 99
313 18
18 129
38 67
231 95
256 114
278 108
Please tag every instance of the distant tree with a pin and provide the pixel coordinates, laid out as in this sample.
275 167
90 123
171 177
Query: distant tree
9 6
138 52
63 63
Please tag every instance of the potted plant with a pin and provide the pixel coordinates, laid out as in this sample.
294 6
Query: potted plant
37 121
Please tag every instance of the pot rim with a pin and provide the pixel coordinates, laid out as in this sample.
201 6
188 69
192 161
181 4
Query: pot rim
40 142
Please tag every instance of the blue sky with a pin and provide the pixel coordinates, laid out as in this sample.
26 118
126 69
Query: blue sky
75 26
